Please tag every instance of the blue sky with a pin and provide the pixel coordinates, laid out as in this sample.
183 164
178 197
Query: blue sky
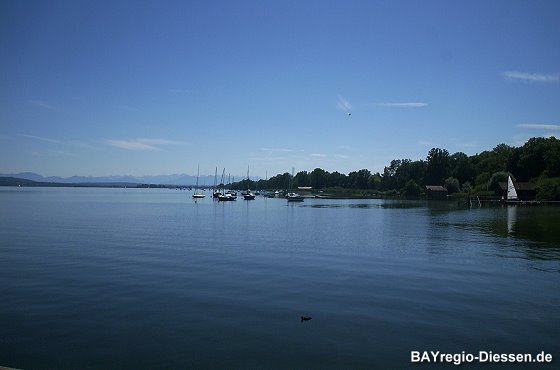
158 87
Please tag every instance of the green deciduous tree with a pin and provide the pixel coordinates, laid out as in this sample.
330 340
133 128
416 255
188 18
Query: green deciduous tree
301 179
437 166
374 181
537 160
452 185
461 167
496 178
337 179
411 189
318 178
359 179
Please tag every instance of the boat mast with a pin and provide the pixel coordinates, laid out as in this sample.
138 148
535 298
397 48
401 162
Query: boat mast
215 178
197 175
292 181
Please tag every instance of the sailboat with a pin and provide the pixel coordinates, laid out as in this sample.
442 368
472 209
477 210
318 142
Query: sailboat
216 192
248 194
227 195
511 192
293 196
196 194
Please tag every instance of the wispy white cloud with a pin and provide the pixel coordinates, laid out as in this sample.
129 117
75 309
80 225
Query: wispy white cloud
58 152
530 77
539 126
141 144
469 144
341 156
160 142
318 155
267 158
41 138
50 153
276 149
131 145
43 105
424 143
343 104
403 105
67 143
81 144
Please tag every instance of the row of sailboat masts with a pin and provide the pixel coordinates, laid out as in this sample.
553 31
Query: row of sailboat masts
216 191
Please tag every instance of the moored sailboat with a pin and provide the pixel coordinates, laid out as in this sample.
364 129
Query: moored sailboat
293 196
216 193
511 192
226 196
197 194
248 195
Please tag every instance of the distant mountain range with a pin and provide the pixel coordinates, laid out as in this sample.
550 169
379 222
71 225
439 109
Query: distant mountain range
175 179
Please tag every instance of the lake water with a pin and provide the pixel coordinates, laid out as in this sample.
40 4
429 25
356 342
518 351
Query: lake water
148 279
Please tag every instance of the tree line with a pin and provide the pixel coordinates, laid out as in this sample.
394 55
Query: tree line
537 161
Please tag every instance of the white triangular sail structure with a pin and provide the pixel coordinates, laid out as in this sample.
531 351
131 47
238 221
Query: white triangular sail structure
511 193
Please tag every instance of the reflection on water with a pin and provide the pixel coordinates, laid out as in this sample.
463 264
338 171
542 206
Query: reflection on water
511 218
379 205
528 232
535 228
536 224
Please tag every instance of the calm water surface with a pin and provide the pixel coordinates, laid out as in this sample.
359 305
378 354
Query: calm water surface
149 279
